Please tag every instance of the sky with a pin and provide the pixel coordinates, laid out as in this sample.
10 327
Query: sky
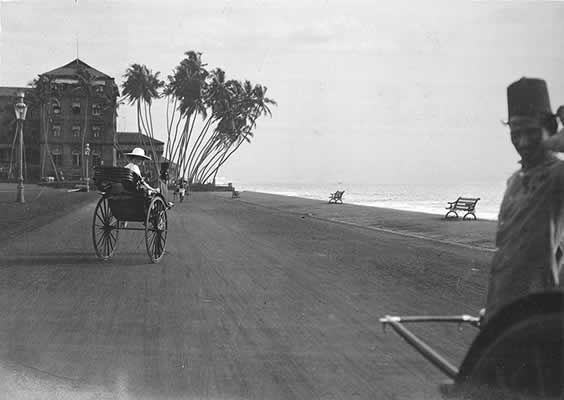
367 91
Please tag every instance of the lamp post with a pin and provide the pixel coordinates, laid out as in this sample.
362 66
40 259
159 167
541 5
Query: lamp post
20 108
87 153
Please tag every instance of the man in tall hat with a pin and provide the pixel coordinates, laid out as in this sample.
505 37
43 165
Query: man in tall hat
530 234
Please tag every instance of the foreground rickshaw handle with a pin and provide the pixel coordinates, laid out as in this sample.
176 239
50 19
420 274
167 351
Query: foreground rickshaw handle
461 319
423 348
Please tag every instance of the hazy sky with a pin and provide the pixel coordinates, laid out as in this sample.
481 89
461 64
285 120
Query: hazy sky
368 92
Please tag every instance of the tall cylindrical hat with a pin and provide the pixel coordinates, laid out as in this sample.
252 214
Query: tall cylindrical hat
528 97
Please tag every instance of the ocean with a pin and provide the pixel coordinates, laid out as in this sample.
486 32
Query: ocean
427 198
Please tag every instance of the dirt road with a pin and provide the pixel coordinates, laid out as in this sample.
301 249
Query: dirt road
248 303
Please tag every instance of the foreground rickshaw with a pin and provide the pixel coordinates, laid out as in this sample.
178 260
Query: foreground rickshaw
518 353
124 201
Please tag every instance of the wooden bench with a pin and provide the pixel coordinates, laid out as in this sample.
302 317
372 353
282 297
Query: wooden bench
235 194
336 197
467 204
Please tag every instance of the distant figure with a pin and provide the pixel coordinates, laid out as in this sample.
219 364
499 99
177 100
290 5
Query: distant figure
530 233
181 189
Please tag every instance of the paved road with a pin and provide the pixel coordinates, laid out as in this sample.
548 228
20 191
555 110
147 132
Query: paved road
248 303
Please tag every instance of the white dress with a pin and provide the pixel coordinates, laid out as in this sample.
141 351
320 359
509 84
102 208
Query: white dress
134 168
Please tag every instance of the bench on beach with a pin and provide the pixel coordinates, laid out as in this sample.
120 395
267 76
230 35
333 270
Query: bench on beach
235 194
466 204
336 197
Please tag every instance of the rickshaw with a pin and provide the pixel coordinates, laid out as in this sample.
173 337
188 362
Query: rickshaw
123 201
518 352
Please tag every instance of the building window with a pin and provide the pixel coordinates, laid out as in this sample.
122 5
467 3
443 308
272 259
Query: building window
76 158
56 129
76 107
95 131
96 109
57 155
56 109
76 130
99 90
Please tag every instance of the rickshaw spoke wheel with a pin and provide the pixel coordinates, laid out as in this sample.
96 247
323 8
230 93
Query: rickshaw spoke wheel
156 226
105 230
519 352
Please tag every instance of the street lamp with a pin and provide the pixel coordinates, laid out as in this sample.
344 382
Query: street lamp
87 153
20 108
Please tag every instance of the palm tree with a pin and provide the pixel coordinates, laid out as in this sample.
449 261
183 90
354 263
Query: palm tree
229 110
45 94
217 98
186 86
261 102
112 103
238 128
141 86
86 83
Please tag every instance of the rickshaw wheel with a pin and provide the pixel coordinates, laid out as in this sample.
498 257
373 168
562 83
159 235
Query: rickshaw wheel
521 351
156 226
105 230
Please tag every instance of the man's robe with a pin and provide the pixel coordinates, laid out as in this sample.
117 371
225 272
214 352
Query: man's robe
529 239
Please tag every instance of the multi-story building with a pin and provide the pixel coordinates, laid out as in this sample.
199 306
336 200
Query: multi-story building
70 106
78 107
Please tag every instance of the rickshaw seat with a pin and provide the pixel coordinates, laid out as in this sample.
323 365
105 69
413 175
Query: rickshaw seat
117 180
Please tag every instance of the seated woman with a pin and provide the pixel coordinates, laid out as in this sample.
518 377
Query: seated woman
136 159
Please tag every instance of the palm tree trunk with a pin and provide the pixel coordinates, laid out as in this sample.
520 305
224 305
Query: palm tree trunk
204 153
212 161
186 145
85 131
211 140
172 146
139 133
197 143
151 138
213 168
177 149
231 153
170 118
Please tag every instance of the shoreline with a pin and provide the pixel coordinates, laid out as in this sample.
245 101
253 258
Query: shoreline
479 234
430 198
488 216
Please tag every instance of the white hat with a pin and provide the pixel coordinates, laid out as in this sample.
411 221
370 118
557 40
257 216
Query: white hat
138 152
